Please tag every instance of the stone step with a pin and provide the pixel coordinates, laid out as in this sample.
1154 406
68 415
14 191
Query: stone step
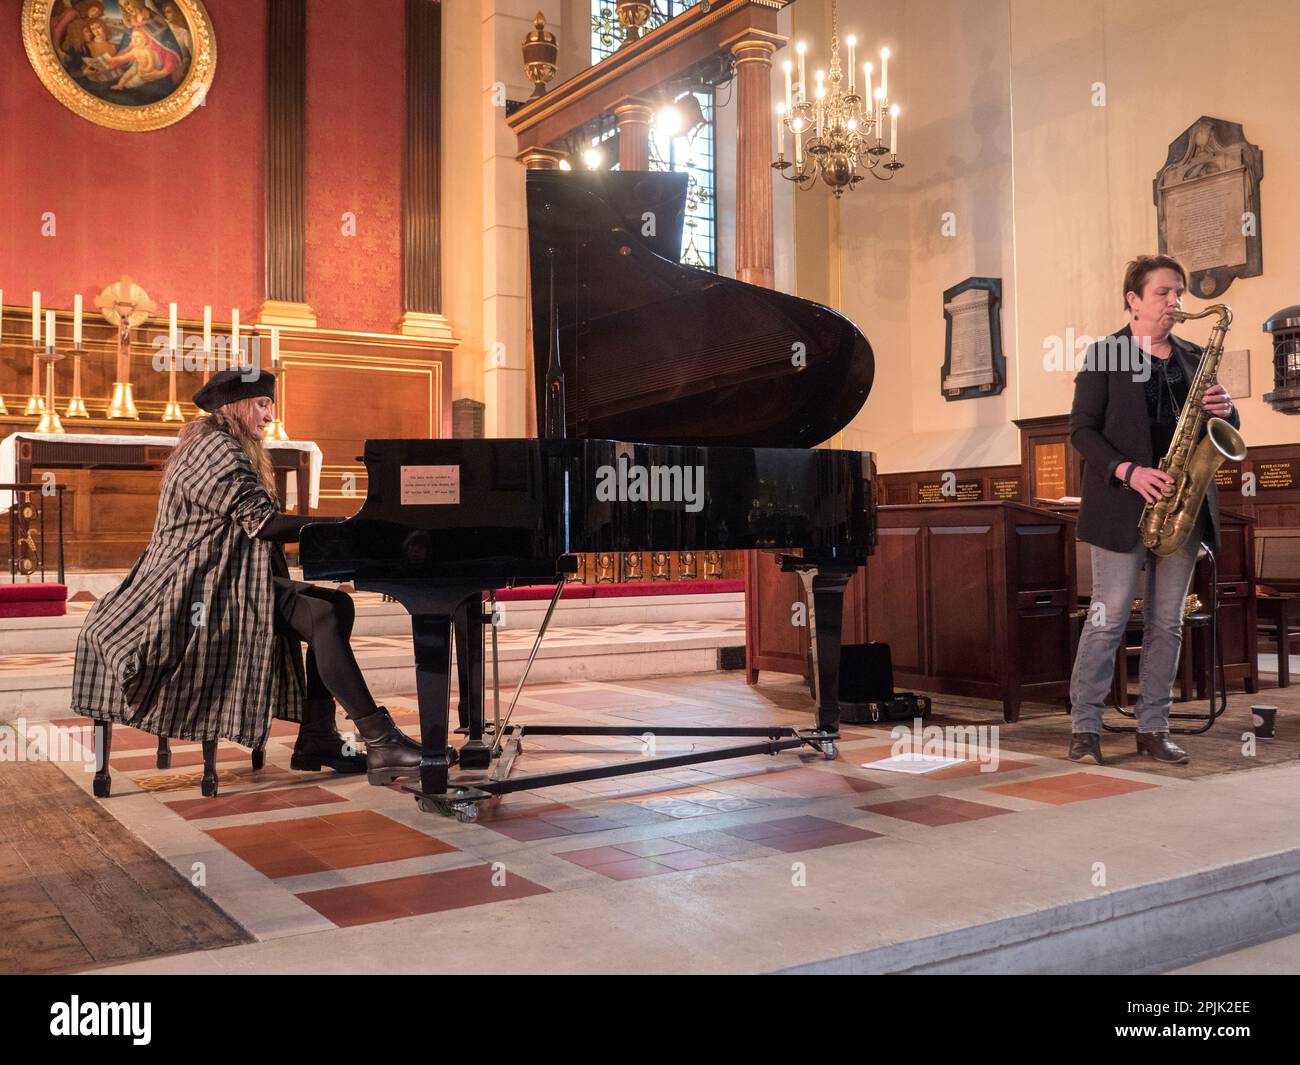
41 690
26 636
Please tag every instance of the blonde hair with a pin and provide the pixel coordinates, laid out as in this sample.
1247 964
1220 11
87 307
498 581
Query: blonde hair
229 418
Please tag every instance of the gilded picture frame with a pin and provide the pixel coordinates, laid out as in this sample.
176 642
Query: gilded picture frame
133 65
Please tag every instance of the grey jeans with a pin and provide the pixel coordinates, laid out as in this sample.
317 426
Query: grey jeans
1114 582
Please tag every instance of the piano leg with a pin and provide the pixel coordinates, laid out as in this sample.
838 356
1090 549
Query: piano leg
474 754
824 588
463 712
432 638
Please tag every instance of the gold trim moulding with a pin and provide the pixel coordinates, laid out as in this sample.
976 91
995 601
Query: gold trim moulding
424 324
286 313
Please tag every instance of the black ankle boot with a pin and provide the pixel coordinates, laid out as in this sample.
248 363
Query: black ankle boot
320 745
1085 745
389 753
1159 746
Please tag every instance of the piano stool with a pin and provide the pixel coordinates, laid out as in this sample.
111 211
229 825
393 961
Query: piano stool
103 782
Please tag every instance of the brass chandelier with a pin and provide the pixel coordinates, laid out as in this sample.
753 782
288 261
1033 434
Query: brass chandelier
838 132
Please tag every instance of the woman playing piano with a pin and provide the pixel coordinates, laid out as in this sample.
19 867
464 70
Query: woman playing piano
199 642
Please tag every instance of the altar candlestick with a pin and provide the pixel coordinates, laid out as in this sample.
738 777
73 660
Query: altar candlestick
171 329
36 319
275 347
207 328
49 330
234 337
76 320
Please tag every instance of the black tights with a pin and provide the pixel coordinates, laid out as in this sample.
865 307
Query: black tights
322 619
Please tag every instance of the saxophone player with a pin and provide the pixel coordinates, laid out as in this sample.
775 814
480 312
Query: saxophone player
1127 400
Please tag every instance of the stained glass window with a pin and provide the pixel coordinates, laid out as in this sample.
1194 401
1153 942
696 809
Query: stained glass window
607 34
692 155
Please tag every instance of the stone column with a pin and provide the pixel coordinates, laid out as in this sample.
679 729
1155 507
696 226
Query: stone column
754 120
633 118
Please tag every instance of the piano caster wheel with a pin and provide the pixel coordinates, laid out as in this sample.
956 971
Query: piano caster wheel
829 751
464 812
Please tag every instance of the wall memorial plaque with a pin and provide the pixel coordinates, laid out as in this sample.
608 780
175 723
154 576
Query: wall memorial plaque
1207 205
1277 476
1049 471
973 364
1009 489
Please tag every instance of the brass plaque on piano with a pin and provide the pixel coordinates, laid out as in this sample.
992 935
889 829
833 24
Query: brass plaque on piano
1276 476
1006 489
1049 470
426 485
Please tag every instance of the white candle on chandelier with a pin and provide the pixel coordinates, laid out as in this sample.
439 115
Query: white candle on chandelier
171 328
797 130
853 43
780 130
801 48
36 319
884 71
880 113
787 66
76 320
821 109
867 68
893 130
49 330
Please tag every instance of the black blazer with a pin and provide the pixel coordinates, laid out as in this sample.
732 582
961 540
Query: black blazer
1109 426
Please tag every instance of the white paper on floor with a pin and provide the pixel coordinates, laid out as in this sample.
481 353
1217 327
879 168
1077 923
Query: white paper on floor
912 763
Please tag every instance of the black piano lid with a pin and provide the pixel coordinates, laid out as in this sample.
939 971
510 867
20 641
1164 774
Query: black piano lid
662 353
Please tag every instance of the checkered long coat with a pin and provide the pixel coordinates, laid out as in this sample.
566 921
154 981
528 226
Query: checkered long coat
185 645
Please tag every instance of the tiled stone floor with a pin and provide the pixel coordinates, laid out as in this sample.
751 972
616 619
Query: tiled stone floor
292 854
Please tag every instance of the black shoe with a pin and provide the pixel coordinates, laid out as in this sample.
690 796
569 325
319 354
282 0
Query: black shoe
1085 745
319 744
1159 746
389 753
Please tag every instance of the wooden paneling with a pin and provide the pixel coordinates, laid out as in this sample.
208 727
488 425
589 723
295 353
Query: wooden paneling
772 640
991 591
962 601
969 484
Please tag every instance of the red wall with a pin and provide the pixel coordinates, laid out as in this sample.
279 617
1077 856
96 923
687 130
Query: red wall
181 209
356 119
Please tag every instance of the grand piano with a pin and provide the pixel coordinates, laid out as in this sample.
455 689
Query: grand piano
679 410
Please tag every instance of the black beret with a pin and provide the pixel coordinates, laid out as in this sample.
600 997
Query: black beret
227 386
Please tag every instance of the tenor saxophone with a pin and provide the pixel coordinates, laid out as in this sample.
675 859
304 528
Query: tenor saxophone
1193 457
